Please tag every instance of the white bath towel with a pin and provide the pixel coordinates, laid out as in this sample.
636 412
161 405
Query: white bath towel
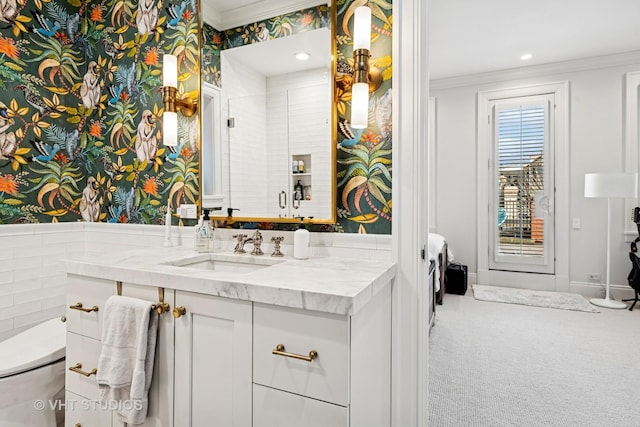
125 367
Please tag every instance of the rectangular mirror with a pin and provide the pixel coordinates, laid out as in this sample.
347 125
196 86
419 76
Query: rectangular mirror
268 144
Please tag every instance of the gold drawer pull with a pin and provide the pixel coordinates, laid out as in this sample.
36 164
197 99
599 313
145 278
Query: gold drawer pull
78 369
78 425
78 306
280 351
179 311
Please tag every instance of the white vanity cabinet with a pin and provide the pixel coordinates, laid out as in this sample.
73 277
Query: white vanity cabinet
249 350
212 361
88 296
326 370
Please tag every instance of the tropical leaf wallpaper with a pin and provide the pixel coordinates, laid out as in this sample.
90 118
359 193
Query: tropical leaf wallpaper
81 111
364 156
212 44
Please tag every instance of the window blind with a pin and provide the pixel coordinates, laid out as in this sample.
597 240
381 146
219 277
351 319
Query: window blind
520 136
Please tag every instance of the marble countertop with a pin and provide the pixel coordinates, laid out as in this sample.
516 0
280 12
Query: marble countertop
333 285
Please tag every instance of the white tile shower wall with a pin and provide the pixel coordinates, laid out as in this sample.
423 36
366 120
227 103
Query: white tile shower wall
32 277
279 166
243 93
302 99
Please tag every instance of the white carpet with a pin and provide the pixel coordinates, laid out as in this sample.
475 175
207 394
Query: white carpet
494 365
561 300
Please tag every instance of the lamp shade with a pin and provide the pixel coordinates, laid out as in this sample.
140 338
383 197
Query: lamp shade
359 105
362 28
610 185
170 128
169 70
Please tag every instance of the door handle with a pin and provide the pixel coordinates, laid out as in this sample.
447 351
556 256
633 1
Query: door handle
282 196
543 204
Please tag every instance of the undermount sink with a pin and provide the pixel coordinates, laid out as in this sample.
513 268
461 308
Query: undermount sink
225 263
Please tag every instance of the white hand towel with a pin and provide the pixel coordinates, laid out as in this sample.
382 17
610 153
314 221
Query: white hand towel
125 367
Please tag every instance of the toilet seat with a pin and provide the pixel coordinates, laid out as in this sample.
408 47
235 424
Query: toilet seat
38 346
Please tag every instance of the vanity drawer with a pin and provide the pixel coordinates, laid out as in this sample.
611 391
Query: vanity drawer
81 412
90 292
278 408
301 331
85 351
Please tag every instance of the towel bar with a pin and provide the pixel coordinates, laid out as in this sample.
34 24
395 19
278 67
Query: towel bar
161 307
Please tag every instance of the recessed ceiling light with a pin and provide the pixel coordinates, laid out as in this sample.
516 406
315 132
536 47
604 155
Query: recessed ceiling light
526 56
302 56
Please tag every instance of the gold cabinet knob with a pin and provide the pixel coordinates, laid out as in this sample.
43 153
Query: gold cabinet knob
179 311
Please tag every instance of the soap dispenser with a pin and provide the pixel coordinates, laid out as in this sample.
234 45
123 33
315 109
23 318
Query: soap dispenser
301 246
204 234
198 241
208 225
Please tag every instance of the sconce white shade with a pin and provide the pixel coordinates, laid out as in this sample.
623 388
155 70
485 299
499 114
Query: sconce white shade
169 70
610 185
170 128
362 28
360 105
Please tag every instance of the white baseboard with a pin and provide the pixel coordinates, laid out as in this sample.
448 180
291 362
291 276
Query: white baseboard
597 290
472 279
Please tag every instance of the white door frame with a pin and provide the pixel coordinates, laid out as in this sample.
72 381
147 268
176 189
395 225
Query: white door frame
410 350
559 281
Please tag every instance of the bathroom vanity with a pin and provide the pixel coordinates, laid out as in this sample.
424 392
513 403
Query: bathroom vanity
246 340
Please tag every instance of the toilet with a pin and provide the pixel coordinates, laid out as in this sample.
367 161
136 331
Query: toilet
32 376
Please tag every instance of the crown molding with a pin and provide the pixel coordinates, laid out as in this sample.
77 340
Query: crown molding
592 63
260 10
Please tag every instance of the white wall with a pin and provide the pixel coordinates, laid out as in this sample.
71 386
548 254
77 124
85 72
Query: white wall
33 278
596 144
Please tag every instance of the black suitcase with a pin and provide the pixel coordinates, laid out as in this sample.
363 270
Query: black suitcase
456 279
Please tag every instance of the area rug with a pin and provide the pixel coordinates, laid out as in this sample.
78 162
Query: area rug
561 300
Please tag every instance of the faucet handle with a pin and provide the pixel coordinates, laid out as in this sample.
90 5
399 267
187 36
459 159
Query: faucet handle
276 245
239 248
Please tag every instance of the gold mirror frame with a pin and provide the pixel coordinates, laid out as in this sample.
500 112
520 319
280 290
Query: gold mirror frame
333 139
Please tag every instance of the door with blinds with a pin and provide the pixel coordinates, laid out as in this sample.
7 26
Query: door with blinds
521 179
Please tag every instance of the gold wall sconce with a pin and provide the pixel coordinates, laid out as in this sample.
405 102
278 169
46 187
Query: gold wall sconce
361 56
172 102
